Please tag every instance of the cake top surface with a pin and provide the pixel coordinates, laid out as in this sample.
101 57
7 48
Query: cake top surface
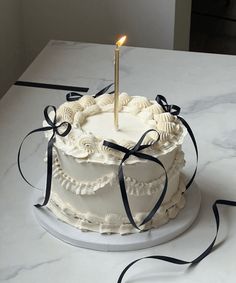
92 123
102 126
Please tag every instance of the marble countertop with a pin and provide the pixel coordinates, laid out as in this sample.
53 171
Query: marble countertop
204 85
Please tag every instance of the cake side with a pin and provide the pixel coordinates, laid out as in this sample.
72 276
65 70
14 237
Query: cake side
96 204
114 222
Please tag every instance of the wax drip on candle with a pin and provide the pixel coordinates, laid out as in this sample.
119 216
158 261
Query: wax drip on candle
119 43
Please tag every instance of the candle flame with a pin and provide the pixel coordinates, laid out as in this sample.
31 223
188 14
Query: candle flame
121 41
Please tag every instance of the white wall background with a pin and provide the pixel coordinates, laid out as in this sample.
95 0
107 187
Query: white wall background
10 43
149 23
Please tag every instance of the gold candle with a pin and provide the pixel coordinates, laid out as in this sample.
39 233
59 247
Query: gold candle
116 80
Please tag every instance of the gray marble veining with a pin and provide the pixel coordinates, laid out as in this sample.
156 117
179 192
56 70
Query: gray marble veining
207 103
13 271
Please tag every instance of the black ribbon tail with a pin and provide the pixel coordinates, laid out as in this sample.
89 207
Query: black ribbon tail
164 191
49 173
52 126
195 147
125 197
205 253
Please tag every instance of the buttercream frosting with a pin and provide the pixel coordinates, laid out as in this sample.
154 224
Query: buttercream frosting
85 186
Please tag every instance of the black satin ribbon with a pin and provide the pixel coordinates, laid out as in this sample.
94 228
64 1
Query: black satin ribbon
136 151
51 86
62 130
197 259
73 96
175 110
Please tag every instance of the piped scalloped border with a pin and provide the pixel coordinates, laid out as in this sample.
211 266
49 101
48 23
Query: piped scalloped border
133 186
113 223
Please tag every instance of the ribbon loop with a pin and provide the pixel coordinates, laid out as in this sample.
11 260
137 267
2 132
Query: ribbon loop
47 116
66 126
73 96
172 108
136 151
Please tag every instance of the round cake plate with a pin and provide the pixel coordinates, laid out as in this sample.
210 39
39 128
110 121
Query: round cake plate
116 242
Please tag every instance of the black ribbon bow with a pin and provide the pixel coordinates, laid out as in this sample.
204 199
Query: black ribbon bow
73 96
175 110
62 130
136 151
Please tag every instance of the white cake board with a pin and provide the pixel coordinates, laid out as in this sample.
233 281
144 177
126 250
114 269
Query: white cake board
116 242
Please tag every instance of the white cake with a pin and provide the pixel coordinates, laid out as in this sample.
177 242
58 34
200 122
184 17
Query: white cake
85 187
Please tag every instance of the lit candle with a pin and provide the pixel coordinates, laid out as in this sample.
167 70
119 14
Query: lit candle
116 79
